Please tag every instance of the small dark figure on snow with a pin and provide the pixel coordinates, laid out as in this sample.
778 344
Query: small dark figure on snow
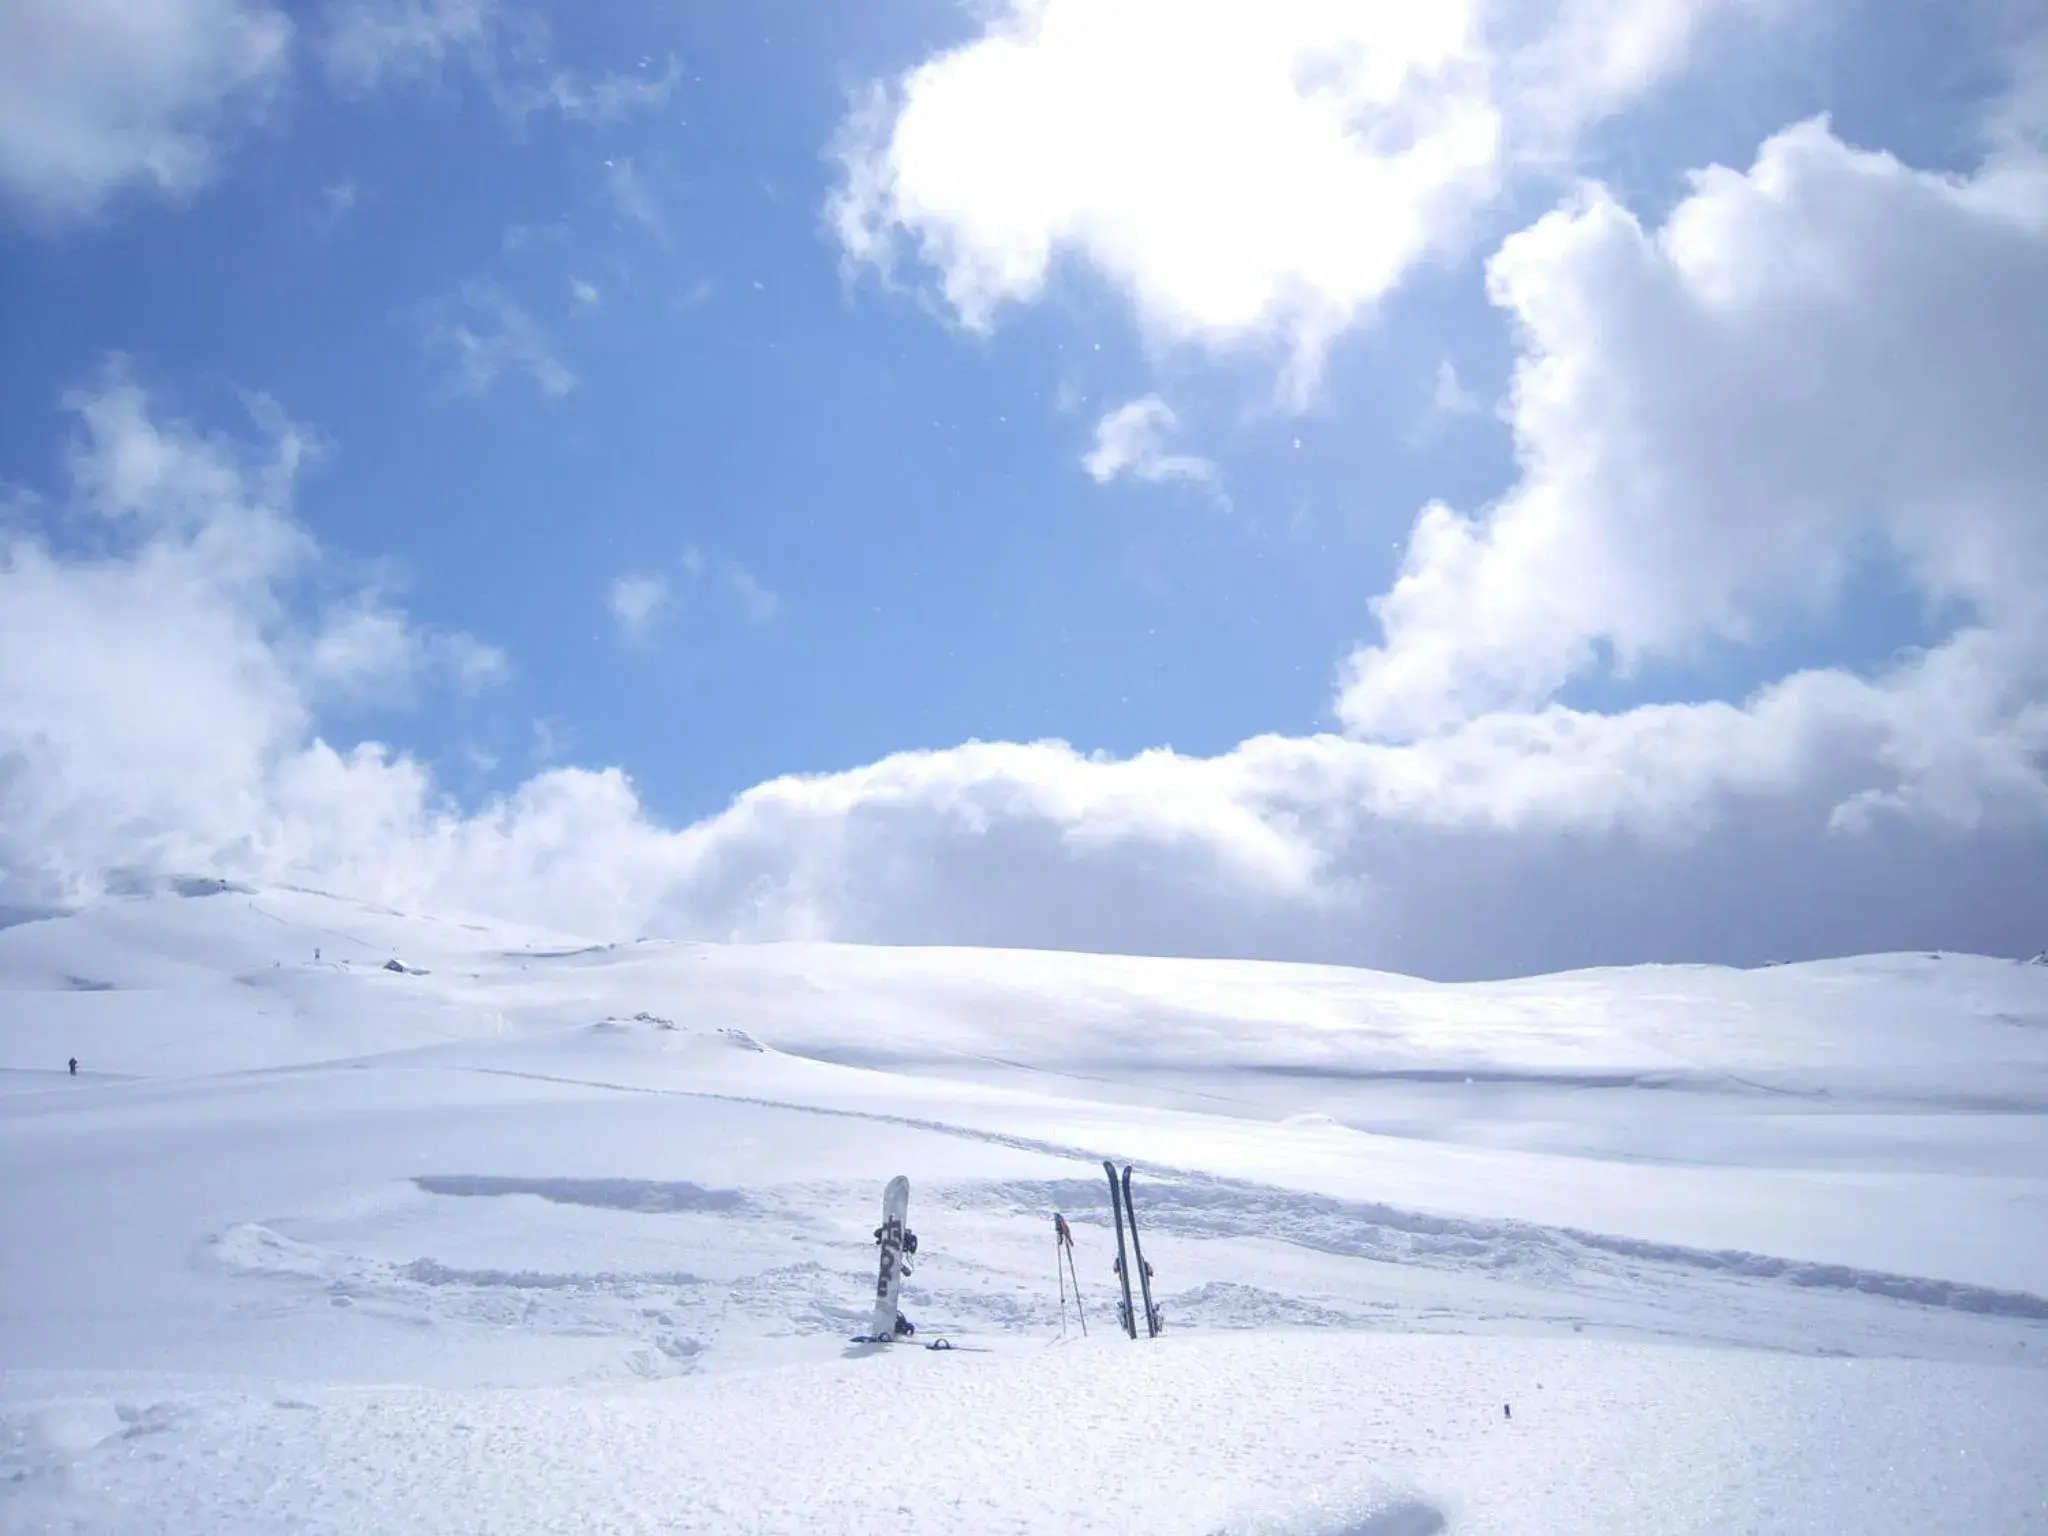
74 1066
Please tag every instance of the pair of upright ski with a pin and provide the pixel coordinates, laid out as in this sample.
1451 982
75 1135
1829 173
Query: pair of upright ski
1127 1215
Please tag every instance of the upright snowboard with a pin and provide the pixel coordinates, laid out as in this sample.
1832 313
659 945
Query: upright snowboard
896 1242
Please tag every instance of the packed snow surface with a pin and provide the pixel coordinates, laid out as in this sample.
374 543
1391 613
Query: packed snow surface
356 1220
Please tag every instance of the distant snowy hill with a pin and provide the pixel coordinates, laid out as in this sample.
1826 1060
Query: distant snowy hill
356 1219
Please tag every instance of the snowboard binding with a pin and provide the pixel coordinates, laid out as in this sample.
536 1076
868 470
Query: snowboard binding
905 1249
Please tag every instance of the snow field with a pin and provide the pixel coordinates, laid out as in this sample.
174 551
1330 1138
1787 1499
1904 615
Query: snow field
1302 1432
532 1233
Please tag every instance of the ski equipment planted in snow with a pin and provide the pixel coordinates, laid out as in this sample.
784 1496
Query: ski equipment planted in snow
1153 1321
897 1243
1063 1266
1123 1274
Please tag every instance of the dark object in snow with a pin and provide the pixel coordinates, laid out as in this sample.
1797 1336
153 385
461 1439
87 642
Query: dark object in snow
393 965
1506 1412
403 969
74 1066
209 885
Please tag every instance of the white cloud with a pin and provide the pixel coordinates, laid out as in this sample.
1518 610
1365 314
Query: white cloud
361 649
630 194
368 651
1131 440
1829 359
706 578
379 44
1448 394
371 43
1243 172
98 96
1521 844
2017 119
1569 63
486 337
474 664
585 293
755 600
637 601
551 740
609 97
158 693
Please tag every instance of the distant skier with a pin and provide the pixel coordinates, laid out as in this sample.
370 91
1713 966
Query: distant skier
74 1066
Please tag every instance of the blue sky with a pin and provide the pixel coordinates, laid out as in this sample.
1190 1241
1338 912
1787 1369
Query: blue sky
708 393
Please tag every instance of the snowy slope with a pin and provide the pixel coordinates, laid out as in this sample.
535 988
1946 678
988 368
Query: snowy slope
536 1232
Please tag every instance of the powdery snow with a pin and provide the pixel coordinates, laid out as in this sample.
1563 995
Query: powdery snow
1286 1432
531 1232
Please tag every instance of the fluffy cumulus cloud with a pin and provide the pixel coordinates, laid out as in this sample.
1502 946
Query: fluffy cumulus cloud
1826 360
1246 173
100 96
160 679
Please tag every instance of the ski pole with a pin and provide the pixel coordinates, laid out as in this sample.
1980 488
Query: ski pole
1063 1236
1059 1267
1063 1254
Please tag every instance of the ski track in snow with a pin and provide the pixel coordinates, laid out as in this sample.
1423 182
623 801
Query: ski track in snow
1216 1206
